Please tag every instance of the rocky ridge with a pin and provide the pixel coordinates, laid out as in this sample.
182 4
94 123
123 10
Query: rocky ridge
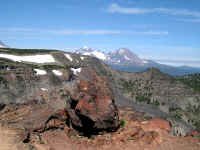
71 91
162 92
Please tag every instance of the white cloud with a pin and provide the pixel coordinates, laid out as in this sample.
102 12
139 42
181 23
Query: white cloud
85 31
180 62
173 61
115 8
104 32
80 32
152 33
191 20
57 31
16 29
171 55
184 12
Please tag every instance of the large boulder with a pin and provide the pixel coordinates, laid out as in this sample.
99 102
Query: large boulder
94 109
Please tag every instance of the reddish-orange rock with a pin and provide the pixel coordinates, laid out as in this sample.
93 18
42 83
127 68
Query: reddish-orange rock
193 133
95 108
151 138
156 124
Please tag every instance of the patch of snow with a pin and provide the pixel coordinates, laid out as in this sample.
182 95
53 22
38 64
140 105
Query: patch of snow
82 58
127 58
99 55
69 57
121 51
86 47
57 72
34 58
40 72
86 53
76 71
145 62
43 89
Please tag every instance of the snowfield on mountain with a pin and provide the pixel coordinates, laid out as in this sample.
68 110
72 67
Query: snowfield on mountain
34 58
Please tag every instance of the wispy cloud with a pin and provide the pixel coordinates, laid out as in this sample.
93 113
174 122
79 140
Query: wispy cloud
124 1
115 8
104 32
86 32
79 32
197 20
151 33
191 63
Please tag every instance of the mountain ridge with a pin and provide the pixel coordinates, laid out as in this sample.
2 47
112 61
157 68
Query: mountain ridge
124 59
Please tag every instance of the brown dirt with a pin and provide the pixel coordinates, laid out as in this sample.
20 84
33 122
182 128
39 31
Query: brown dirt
9 139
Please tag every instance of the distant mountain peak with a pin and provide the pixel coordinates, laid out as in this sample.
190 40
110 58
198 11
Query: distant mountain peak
124 56
2 45
86 48
122 50
121 56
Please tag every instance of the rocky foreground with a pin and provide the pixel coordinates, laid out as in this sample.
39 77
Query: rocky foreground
52 100
138 132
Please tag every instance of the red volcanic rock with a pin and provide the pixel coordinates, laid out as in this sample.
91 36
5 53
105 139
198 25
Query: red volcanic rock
154 129
151 138
156 124
95 108
193 133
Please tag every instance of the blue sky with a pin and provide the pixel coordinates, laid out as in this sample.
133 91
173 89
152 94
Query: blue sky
167 31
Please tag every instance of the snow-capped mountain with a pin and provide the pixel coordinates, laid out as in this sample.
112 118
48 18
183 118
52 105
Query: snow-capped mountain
124 56
95 53
121 56
2 45
124 59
